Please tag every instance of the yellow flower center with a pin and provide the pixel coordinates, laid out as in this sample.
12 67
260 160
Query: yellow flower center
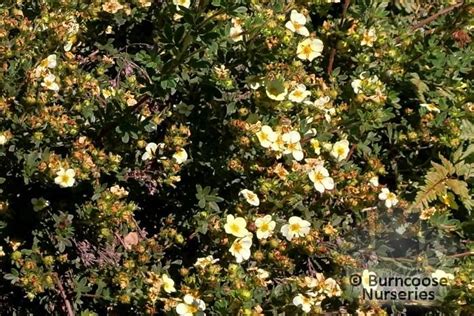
264 227
307 50
65 178
319 176
237 247
295 227
340 151
234 228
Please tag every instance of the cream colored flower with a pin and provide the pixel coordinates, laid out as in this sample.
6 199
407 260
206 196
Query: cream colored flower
118 191
305 301
357 86
236 33
2 253
389 198
112 6
299 94
3 139
439 274
292 145
240 248
180 156
309 49
49 82
365 279
316 146
250 197
297 23
266 136
340 150
168 284
296 227
430 107
331 288
321 179
191 306
145 3
150 150
65 178
205 262
236 226
182 3
374 181
369 38
49 62
276 89
265 226
427 213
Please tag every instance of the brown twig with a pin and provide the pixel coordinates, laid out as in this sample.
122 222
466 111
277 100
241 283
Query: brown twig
463 254
62 292
332 56
437 15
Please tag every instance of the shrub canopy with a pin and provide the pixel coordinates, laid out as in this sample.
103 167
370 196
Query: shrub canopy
233 157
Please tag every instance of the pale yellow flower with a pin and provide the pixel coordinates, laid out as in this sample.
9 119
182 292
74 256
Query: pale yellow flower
374 181
297 23
118 191
331 288
3 139
49 62
205 261
292 145
306 302
266 136
180 156
265 226
236 33
145 3
168 284
299 94
182 3
316 146
296 227
369 38
366 278
112 6
236 226
49 82
65 178
439 274
2 253
150 150
321 179
250 197
191 306
340 150
309 49
240 248
389 198
430 107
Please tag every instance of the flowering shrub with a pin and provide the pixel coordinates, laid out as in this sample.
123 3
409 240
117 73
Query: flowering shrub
224 157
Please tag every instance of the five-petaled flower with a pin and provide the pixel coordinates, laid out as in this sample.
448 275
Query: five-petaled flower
240 248
250 197
321 179
296 227
297 23
266 136
265 226
236 226
309 49
65 178
191 306
389 197
340 150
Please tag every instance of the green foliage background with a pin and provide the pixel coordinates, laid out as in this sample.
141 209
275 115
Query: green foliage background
153 72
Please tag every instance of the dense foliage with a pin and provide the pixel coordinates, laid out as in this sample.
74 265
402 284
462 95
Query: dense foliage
233 157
